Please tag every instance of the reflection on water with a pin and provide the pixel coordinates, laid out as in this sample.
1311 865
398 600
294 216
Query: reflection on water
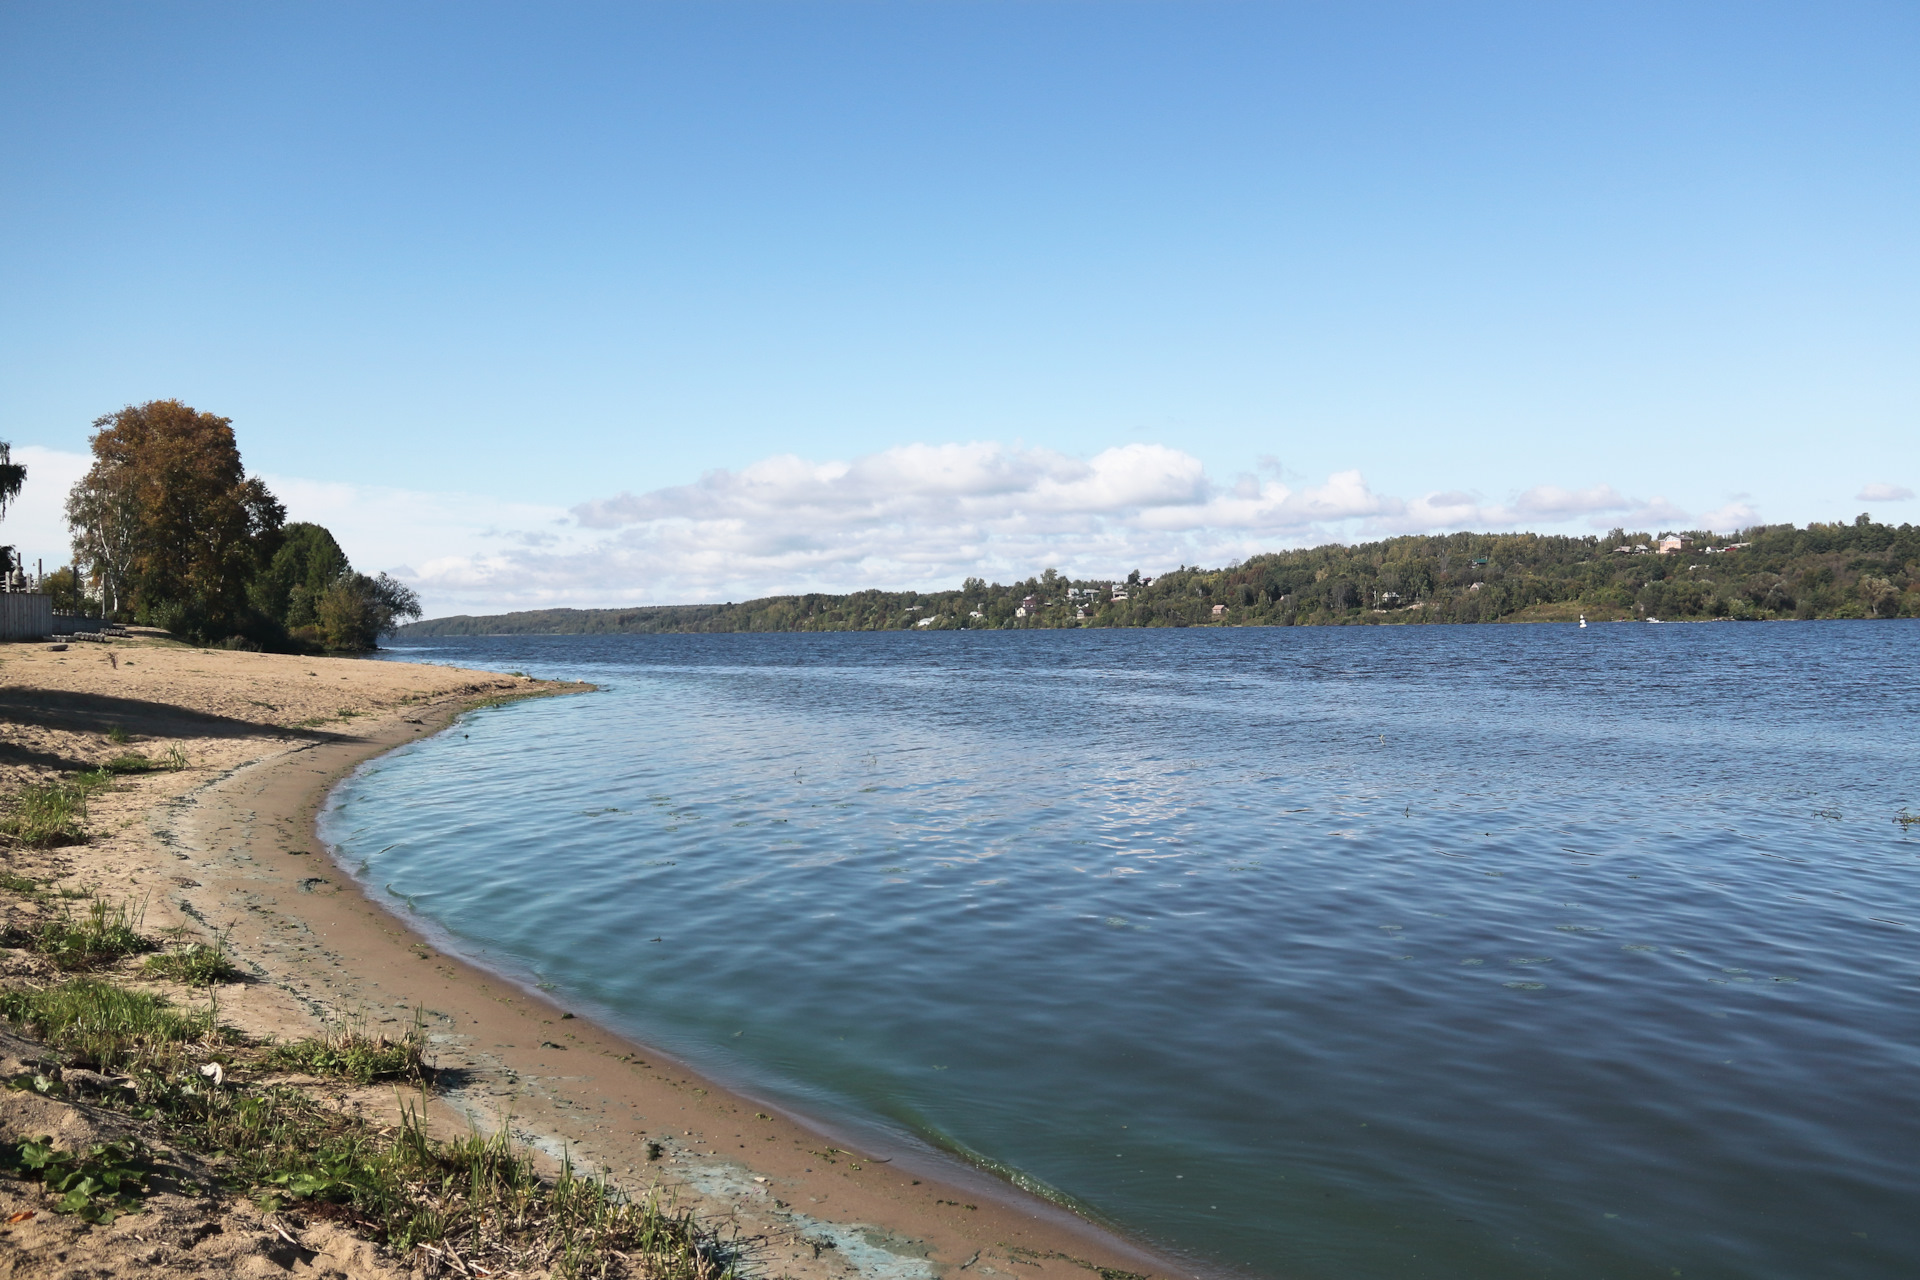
1477 952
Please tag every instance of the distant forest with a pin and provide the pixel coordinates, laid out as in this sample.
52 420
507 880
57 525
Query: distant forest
1857 570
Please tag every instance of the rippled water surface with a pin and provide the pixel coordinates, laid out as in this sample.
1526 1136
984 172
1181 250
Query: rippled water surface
1448 951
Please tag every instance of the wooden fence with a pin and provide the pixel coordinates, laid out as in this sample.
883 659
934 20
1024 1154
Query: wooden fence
25 615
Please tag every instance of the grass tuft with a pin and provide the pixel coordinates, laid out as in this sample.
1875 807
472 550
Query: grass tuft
109 1027
197 964
355 1054
48 815
101 934
53 813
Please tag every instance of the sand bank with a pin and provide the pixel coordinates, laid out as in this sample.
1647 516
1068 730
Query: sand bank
229 844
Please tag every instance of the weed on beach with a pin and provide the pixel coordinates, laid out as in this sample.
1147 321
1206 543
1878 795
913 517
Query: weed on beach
110 1028
480 1200
99 935
475 1204
13 882
138 762
197 964
96 1185
51 814
355 1054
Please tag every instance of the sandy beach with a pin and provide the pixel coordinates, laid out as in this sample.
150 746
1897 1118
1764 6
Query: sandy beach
227 845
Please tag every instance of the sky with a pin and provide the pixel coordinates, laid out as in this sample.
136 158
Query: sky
653 303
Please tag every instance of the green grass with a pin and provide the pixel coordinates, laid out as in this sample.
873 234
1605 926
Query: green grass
98 935
197 964
479 1198
137 762
118 736
482 1198
109 1027
355 1054
54 813
48 815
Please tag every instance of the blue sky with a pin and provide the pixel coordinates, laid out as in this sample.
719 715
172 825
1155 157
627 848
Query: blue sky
601 305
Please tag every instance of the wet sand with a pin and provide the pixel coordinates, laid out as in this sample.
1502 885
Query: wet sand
230 845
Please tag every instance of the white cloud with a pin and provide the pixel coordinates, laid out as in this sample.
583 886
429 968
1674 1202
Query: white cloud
393 530
925 515
916 515
1731 518
1655 512
36 522
1884 493
921 515
1551 503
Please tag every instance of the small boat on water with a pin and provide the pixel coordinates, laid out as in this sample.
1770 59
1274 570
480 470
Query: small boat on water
1583 622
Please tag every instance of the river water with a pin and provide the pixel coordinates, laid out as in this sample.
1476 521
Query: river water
1473 952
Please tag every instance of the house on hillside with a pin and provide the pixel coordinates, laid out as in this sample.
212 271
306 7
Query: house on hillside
1674 542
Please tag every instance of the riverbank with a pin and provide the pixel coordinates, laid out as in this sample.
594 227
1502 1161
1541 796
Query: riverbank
226 847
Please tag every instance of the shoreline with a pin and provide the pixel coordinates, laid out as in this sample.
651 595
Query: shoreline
807 1199
877 1217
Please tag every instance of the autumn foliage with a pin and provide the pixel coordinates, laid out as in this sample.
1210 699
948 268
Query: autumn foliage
170 531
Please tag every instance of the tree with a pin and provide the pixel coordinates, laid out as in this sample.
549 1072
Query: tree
356 610
307 562
12 476
64 588
103 514
167 522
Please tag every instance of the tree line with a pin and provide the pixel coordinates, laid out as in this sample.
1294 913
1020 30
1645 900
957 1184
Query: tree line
170 531
1857 569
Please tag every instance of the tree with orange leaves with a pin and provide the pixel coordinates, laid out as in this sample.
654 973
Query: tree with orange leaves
167 524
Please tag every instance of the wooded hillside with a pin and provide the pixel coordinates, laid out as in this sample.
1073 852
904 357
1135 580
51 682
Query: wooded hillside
1856 570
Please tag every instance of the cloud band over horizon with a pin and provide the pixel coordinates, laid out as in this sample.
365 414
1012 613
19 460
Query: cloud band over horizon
923 515
910 517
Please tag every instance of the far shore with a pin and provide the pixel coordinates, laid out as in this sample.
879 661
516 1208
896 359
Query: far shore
229 844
